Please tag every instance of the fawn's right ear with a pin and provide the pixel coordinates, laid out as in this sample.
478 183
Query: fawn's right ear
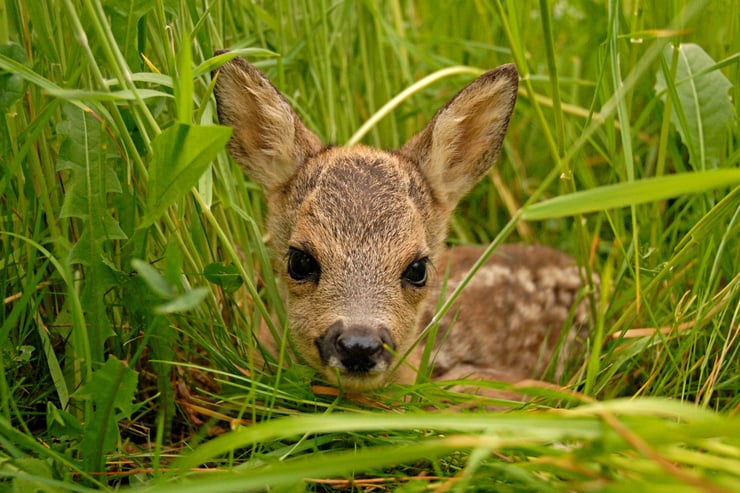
269 139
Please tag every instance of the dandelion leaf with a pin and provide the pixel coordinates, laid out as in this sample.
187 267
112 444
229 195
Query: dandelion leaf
85 155
111 390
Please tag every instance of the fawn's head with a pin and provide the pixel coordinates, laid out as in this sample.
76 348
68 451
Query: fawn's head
355 231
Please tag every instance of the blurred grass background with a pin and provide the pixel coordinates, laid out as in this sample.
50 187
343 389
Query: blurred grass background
128 314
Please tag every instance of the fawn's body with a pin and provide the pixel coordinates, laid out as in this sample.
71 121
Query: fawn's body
357 237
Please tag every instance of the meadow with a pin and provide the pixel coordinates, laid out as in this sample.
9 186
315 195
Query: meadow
133 268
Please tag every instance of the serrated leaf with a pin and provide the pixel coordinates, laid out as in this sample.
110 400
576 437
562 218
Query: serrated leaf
111 390
226 276
180 155
84 153
702 109
88 249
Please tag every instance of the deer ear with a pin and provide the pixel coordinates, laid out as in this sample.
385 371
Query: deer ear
269 139
463 140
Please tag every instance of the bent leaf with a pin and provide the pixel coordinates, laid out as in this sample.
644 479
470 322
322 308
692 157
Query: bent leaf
180 155
153 279
186 301
174 303
702 109
631 193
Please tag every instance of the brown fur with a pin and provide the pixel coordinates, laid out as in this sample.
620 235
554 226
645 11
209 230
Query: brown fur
350 228
525 292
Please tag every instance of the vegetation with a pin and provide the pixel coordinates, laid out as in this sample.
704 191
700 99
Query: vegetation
133 269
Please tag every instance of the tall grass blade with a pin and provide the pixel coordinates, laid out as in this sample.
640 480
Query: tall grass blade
631 193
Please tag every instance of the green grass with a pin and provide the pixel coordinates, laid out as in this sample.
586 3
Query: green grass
133 268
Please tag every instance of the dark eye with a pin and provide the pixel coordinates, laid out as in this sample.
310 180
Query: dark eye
416 273
302 266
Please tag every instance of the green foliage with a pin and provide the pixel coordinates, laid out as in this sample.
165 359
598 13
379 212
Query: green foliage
702 110
12 84
84 153
630 193
125 20
226 276
111 391
135 276
180 156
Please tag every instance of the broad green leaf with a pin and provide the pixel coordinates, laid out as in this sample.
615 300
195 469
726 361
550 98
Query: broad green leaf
632 193
702 109
111 390
125 16
226 276
11 84
180 155
84 153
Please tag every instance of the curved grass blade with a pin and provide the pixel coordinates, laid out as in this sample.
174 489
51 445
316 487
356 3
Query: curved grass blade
632 193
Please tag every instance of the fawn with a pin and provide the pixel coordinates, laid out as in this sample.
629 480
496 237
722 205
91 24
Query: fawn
357 237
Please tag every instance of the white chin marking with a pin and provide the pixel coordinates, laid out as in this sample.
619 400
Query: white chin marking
378 369
356 382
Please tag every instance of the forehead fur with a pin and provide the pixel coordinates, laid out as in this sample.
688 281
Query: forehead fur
363 171
364 196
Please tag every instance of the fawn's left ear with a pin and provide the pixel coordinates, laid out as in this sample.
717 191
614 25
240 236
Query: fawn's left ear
462 141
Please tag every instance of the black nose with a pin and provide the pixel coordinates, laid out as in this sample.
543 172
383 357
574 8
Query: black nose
357 348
